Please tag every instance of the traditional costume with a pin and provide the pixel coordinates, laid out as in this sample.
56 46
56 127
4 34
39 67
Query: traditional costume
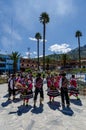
73 90
52 88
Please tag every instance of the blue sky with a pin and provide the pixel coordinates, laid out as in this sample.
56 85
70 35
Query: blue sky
19 22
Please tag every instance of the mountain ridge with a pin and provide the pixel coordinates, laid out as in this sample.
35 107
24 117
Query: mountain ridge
73 54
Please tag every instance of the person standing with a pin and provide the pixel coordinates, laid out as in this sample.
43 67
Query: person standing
64 90
52 88
11 87
27 93
38 89
73 90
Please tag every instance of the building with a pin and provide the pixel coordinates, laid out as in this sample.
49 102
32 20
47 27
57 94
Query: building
6 64
26 63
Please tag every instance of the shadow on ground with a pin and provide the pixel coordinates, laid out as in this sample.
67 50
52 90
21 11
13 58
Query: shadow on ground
5 104
21 110
54 105
76 102
67 111
37 110
6 96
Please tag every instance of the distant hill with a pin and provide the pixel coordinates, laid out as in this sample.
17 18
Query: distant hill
73 54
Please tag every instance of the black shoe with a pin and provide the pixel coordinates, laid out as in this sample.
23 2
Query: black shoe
9 99
26 105
50 102
63 105
34 106
68 105
41 104
23 103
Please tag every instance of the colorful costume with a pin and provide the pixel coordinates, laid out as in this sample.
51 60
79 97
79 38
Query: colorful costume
52 88
73 90
25 86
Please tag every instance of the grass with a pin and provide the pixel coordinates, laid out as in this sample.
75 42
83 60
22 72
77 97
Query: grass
3 80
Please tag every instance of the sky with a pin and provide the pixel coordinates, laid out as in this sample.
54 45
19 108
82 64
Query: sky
19 22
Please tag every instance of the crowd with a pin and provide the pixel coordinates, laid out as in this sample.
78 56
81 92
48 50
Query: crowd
57 85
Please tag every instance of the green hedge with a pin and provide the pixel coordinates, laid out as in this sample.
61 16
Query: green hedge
3 80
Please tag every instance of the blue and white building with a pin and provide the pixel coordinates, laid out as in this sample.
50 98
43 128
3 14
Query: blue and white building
6 63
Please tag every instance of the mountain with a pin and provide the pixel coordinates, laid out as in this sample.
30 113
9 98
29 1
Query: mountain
73 54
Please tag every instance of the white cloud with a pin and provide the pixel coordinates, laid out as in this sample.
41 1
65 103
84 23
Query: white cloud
34 39
35 53
39 56
42 40
28 53
25 57
26 17
62 48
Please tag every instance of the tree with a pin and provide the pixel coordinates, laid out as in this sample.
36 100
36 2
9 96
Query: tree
44 19
64 59
38 37
48 60
15 56
78 34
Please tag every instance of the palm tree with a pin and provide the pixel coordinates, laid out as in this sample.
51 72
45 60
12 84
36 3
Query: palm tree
44 19
15 56
78 34
65 59
48 60
38 37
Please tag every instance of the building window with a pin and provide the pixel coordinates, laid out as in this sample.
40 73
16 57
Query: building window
2 65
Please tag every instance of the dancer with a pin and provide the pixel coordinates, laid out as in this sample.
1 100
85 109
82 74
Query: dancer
64 90
27 93
73 90
38 89
11 87
53 87
26 89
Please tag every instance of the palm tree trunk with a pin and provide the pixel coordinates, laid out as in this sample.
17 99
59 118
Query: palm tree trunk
14 67
38 52
79 52
44 47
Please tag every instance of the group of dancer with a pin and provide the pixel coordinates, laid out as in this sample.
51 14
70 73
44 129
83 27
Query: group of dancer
57 85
